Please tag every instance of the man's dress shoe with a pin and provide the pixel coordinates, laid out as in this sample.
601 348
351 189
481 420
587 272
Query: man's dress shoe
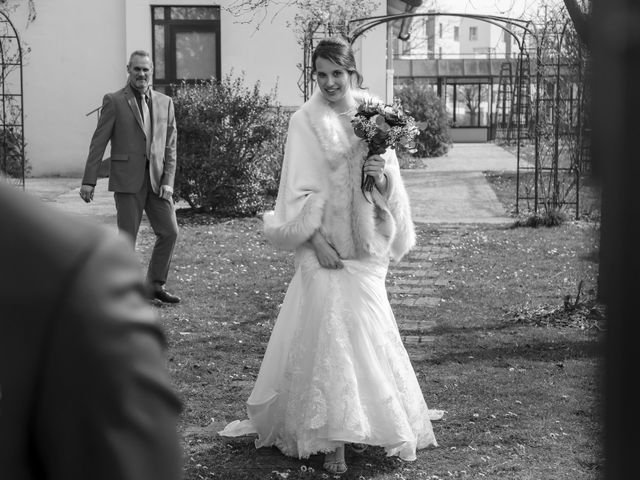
164 296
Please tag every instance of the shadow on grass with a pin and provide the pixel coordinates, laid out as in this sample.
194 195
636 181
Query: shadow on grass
542 351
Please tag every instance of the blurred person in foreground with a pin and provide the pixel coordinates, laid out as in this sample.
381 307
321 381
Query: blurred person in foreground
84 391
140 124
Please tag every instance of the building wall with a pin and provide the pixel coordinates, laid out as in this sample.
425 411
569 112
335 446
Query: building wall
447 44
371 59
497 40
483 40
268 54
79 50
427 42
76 54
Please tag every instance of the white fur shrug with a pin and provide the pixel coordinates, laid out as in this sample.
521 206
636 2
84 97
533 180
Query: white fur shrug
320 189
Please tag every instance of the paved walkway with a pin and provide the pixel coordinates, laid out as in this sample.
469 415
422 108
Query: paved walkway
450 191
64 193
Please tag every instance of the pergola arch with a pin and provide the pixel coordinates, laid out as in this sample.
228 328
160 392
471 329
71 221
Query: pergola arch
12 154
367 23
548 173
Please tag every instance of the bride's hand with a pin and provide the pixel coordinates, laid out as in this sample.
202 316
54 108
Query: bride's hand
326 254
374 167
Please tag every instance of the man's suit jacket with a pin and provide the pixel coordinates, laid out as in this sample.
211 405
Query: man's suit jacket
121 123
84 393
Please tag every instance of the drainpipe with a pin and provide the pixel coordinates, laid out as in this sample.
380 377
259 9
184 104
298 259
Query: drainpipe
389 83
403 34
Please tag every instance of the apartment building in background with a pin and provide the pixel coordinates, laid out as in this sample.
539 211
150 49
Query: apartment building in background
462 58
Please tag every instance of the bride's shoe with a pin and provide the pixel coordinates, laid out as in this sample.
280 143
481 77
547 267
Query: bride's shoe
334 462
358 447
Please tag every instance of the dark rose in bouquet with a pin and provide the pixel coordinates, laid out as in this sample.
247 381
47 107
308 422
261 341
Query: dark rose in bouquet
382 126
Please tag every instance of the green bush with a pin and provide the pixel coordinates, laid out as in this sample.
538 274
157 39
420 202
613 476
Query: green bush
230 146
430 114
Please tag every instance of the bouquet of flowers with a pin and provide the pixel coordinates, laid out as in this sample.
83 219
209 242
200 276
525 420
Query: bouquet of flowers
383 126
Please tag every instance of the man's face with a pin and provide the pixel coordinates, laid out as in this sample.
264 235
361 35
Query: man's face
140 71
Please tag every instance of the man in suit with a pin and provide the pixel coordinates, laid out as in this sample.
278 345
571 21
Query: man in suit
140 124
84 391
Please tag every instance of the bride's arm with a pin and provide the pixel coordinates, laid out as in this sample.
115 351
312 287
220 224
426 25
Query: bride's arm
300 202
397 201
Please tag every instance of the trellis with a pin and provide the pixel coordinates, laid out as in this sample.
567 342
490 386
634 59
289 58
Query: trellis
12 157
550 182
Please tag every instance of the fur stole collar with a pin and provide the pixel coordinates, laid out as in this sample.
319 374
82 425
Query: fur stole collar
333 130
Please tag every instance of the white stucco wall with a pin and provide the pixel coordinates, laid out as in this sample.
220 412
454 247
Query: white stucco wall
497 40
371 56
450 47
76 55
268 54
79 50
483 40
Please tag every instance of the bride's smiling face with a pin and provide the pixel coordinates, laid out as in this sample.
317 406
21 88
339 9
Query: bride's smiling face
334 81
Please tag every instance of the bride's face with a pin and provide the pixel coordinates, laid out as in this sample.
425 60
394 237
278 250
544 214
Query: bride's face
334 81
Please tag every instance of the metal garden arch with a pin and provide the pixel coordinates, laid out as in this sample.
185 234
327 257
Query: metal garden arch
549 127
12 157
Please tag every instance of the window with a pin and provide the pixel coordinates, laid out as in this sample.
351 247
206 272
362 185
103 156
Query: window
473 34
456 33
186 44
468 104
439 30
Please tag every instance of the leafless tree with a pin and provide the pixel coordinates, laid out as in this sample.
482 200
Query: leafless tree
8 7
332 15
469 96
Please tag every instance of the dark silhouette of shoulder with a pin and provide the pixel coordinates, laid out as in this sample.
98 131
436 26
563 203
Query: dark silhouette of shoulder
84 392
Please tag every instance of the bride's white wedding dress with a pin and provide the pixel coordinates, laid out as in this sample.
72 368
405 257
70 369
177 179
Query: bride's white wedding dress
335 369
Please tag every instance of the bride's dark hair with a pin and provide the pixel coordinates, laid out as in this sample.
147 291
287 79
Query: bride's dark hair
339 51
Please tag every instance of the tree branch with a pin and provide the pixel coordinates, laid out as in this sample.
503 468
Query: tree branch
581 20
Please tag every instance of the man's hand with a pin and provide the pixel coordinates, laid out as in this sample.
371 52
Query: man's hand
86 192
166 192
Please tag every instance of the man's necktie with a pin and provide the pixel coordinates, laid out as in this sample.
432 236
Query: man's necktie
146 120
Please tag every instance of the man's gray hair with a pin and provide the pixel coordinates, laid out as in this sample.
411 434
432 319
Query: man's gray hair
140 53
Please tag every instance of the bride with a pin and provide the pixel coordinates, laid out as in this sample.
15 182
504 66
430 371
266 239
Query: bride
335 371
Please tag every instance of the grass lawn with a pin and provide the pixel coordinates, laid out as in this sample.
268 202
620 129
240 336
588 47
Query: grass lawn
514 357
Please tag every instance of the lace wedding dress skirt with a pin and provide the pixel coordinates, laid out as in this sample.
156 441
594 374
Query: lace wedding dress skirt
335 369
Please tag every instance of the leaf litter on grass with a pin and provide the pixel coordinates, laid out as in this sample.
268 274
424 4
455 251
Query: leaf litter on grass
490 351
